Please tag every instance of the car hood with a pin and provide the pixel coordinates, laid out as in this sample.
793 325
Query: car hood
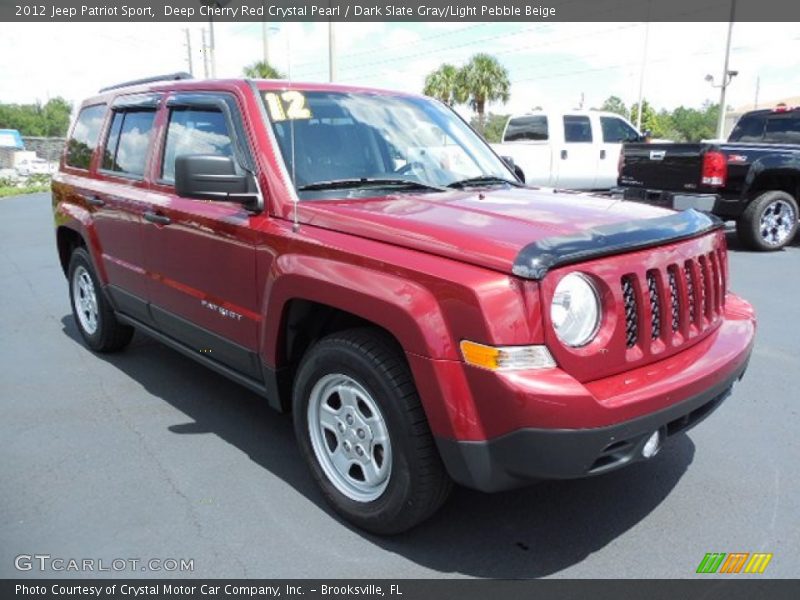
482 227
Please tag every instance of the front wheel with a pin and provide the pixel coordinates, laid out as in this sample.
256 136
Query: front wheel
363 433
769 222
93 314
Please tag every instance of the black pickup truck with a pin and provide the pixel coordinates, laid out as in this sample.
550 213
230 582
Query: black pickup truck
753 178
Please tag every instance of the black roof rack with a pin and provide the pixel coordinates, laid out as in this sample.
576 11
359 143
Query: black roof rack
167 77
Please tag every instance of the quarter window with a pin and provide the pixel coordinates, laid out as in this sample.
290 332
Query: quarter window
195 131
128 142
533 128
84 137
577 129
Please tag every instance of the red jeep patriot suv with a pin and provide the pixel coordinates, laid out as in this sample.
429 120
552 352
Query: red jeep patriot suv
363 259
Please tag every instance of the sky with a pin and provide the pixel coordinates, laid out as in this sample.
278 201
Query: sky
555 65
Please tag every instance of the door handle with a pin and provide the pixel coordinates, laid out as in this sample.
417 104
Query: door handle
156 218
563 155
95 200
602 154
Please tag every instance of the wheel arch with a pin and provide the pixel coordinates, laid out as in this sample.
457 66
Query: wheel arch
303 306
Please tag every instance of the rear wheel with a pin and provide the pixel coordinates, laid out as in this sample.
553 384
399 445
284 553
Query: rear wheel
93 314
769 222
363 433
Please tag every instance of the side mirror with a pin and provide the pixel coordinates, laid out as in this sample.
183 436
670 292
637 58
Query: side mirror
514 167
210 177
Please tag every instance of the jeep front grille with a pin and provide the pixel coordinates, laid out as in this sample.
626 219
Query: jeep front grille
694 291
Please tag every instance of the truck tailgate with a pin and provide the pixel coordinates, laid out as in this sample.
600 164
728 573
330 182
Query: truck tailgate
674 167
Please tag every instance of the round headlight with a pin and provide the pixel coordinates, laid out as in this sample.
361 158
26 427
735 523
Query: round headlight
575 311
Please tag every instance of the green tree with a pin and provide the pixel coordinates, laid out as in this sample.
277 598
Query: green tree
693 125
49 120
483 79
262 70
615 105
495 124
651 120
441 84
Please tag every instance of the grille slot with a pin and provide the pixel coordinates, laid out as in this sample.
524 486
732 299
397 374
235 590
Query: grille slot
631 312
690 291
674 299
655 305
702 286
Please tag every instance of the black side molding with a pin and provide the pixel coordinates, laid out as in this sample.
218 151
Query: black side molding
535 260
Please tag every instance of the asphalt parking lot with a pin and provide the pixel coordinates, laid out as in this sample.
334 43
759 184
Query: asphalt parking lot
146 454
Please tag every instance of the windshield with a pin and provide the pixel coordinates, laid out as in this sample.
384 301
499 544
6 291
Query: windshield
356 141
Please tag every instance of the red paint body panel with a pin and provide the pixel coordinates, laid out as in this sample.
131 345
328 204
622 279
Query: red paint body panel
431 270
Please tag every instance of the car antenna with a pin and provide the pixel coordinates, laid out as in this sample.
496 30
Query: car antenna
296 200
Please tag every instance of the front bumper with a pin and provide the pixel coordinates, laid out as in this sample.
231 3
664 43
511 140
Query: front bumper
528 455
549 426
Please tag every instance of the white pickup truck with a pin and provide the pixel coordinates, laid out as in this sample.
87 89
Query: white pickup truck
567 149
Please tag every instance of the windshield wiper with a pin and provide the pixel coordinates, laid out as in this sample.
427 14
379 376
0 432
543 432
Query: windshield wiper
337 184
482 180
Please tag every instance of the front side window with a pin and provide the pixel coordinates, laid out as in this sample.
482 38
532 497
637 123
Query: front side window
84 136
529 129
128 142
353 136
617 131
195 131
577 129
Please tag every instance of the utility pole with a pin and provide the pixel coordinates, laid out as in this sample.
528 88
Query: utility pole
265 41
212 48
641 76
205 54
189 50
758 85
331 52
726 75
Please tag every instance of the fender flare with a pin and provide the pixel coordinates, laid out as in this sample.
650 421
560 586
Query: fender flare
405 309
78 219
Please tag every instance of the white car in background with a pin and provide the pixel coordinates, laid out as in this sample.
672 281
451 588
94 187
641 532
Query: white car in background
34 166
574 149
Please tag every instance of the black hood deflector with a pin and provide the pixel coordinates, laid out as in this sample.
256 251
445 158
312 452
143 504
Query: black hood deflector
535 260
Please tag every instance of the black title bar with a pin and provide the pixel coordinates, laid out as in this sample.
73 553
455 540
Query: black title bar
712 587
398 10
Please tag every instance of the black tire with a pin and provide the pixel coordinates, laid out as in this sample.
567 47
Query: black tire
109 335
749 229
418 483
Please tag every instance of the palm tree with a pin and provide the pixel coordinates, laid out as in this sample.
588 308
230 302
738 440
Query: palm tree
441 84
262 70
483 79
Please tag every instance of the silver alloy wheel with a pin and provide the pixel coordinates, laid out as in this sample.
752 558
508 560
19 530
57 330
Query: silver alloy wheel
349 437
777 222
85 299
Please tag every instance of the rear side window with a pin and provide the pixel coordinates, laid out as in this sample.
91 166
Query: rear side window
128 142
616 131
784 129
577 129
195 131
532 128
750 128
84 137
